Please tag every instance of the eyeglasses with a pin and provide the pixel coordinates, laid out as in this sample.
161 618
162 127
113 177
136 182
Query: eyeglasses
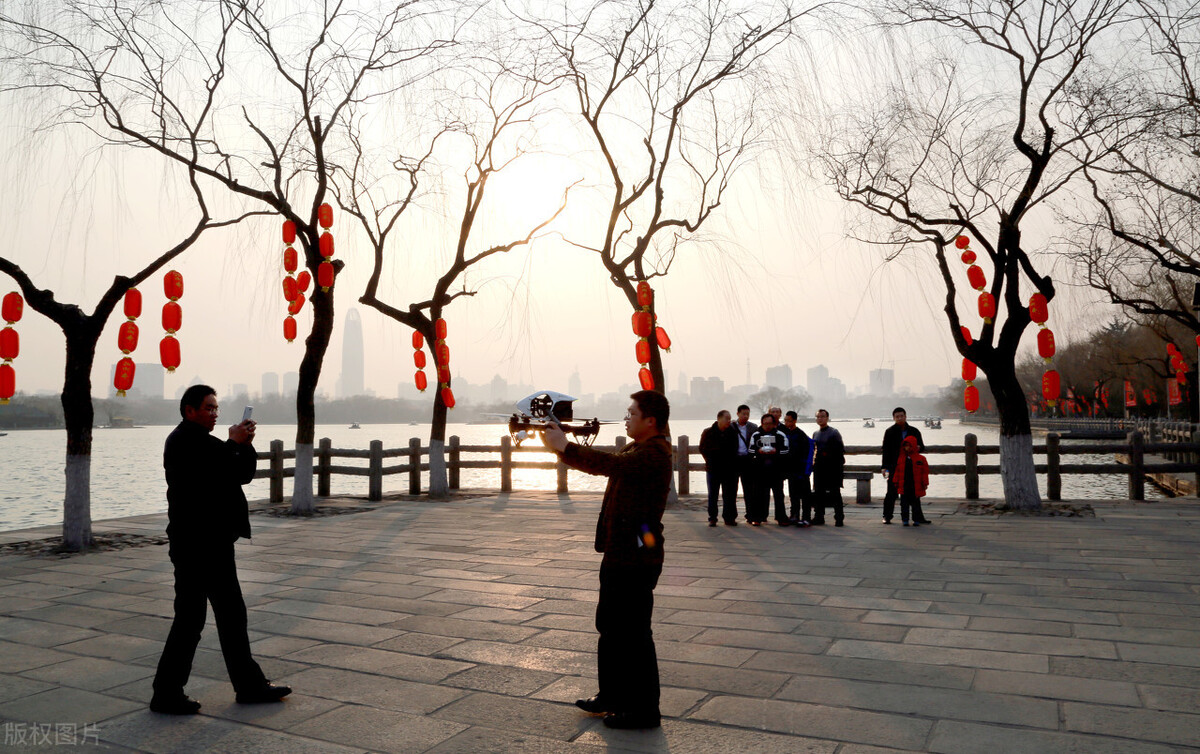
214 410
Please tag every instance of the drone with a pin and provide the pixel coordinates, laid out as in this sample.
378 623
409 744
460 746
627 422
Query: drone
535 411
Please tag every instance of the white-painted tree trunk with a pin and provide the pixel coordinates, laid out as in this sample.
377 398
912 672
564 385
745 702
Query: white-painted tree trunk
672 491
439 486
1017 473
302 483
77 509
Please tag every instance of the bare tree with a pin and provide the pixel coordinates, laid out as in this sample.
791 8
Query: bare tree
977 143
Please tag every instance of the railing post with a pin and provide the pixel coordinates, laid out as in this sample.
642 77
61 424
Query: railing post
506 464
1137 467
560 469
375 480
1195 459
277 471
681 463
1053 462
452 469
414 459
324 460
971 451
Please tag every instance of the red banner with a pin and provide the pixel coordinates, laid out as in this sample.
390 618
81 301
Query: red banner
1173 396
1130 397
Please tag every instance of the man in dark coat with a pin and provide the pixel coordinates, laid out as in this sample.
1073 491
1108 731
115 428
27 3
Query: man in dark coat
745 463
207 513
893 436
769 448
630 534
829 465
798 468
718 445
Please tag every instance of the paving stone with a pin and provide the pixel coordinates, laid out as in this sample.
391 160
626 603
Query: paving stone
115 647
418 644
65 705
89 673
533 716
741 681
1188 656
893 671
1172 698
523 656
934 655
1134 672
465 629
39 634
15 658
819 721
1050 686
167 734
355 687
1004 642
502 679
953 737
396 664
478 738
17 687
673 702
908 618
1146 725
325 630
703 738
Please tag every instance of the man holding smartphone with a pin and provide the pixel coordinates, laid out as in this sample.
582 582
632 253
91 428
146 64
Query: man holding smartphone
207 512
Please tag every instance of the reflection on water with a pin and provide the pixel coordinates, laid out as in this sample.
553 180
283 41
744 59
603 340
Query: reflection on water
127 475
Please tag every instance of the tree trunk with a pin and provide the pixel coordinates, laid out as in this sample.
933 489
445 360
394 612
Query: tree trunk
315 346
439 487
1016 439
78 415
302 487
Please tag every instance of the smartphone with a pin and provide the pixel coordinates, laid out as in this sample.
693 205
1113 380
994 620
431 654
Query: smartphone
246 413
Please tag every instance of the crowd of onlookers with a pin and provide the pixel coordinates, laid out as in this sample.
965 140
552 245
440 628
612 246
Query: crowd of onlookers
761 457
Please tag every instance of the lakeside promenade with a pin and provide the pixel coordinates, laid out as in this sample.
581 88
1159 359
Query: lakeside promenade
466 626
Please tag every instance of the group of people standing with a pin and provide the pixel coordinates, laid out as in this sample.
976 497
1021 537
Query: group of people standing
761 457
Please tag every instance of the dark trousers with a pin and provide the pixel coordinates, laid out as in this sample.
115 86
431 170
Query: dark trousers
626 662
911 502
889 501
725 483
801 494
200 578
824 498
746 475
769 482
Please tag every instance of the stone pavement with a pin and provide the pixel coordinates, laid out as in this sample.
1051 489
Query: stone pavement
466 626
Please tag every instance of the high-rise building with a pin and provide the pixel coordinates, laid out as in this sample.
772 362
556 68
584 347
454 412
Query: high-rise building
780 377
882 382
575 383
239 388
291 383
818 381
683 382
708 390
499 389
353 368
270 385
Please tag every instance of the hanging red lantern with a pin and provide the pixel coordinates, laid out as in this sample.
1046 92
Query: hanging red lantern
291 260
1181 378
422 383
968 257
646 378
12 307
8 383
1051 386
448 397
325 275
325 245
969 370
971 399
987 307
418 340
645 295
10 344
302 281
966 333
439 328
664 340
443 374
1171 348
289 232
1148 396
1045 340
642 324
173 285
643 351
325 216
172 317
168 352
133 303
297 305
123 377
1198 341
290 289
962 242
289 328
1039 310
419 359
976 277
441 353
127 337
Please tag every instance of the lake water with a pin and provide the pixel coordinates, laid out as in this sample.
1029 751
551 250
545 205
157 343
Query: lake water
127 476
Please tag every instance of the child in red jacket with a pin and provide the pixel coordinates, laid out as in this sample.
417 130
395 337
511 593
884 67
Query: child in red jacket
911 479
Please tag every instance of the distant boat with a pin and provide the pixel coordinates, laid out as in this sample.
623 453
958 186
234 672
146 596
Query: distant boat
120 422
355 426
3 434
869 423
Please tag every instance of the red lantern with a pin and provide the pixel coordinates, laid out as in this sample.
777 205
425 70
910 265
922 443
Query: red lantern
325 215
127 337
1039 310
10 344
642 324
12 307
8 383
645 295
664 340
962 242
1148 396
289 232
1181 378
419 359
1198 341
987 307
439 328
173 285
290 289
298 305
643 351
443 374
966 333
418 340
291 260
971 399
969 370
168 352
172 317
448 397
289 328
968 257
976 277
123 378
133 303
1171 348
1050 386
422 383
646 378
441 353
325 275
302 280
1046 343
325 245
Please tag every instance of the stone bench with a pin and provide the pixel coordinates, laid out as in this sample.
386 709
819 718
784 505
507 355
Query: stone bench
862 494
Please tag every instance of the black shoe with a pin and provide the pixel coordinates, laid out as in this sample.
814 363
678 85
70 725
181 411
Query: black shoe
712 522
784 522
592 705
818 522
632 720
924 521
732 522
264 695
887 520
179 705
838 523
916 524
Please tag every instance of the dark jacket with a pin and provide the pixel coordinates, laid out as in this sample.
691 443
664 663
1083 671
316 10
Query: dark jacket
739 444
719 448
800 451
829 463
775 462
205 502
891 443
629 531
